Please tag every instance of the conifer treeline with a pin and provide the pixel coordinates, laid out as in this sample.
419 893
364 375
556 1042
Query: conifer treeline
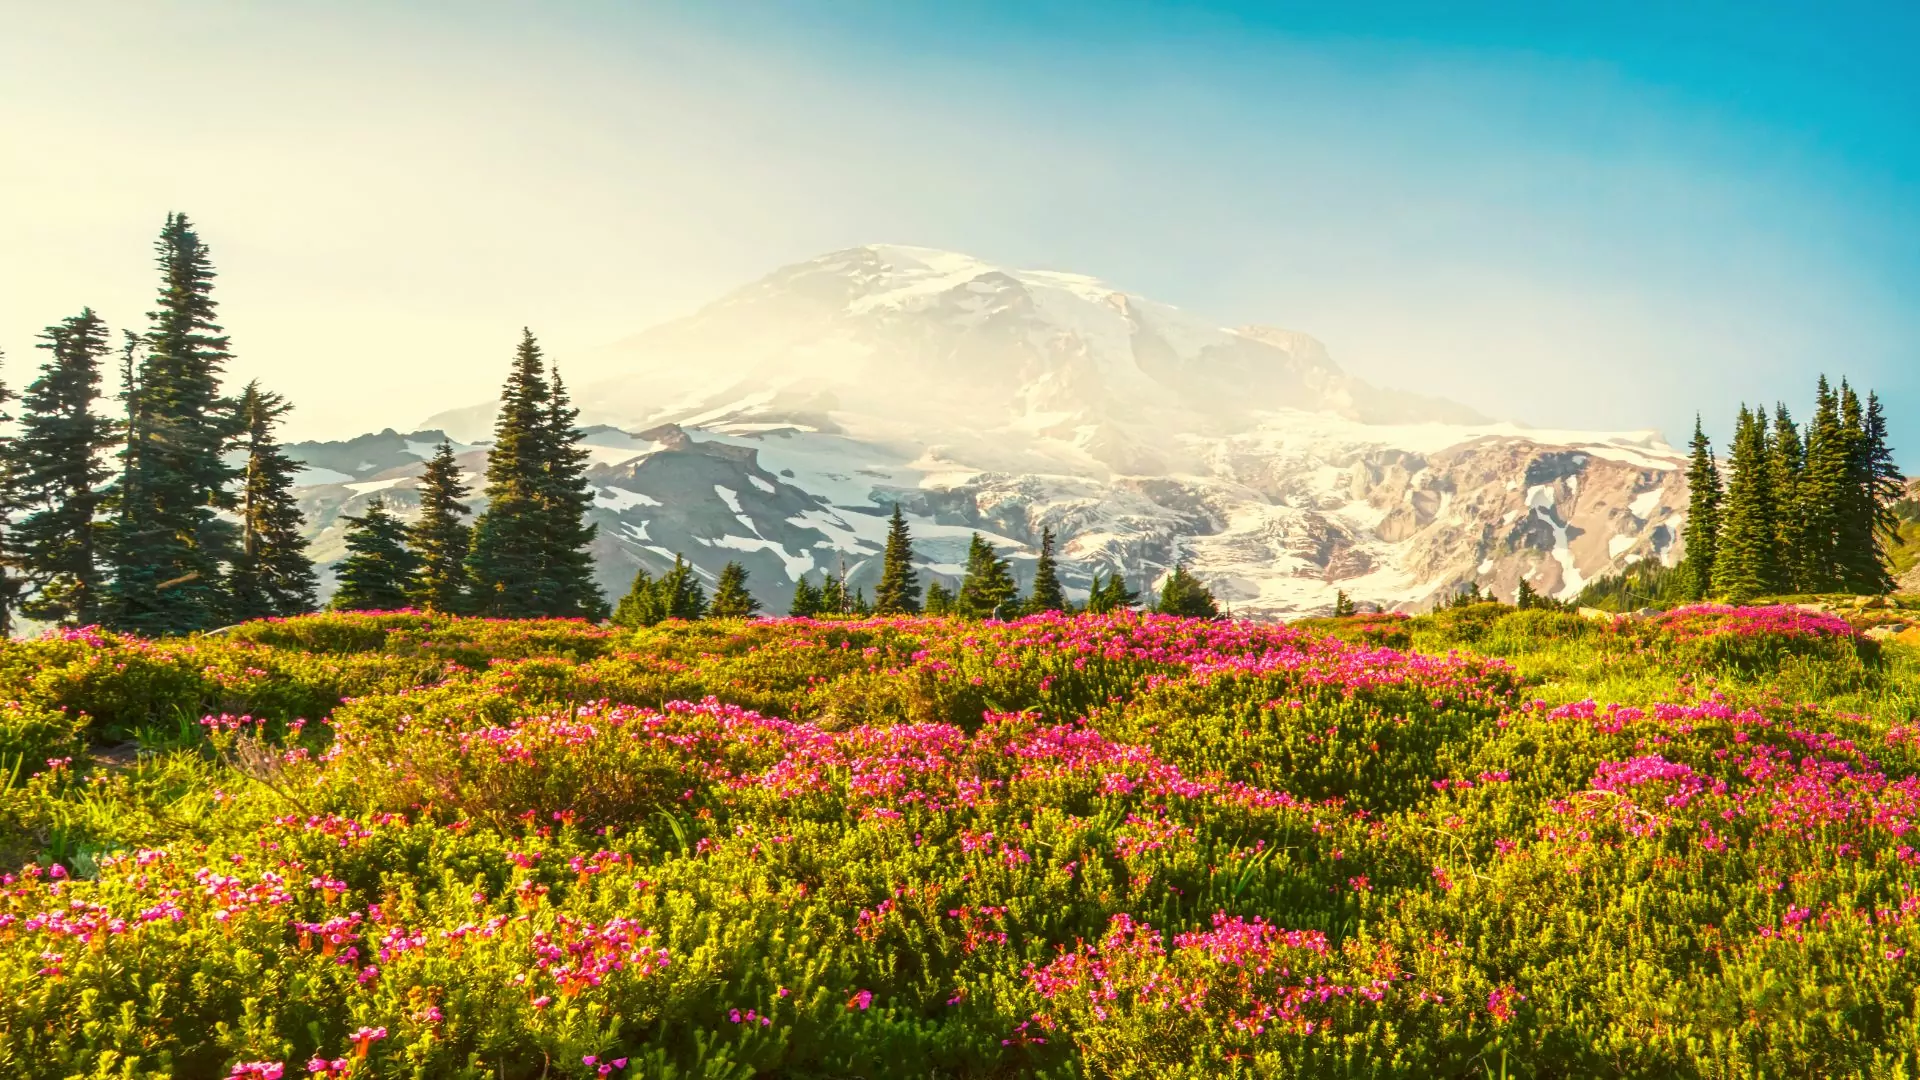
1799 511
198 525
987 589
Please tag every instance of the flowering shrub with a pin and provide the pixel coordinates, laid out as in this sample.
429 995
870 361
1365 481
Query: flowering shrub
397 845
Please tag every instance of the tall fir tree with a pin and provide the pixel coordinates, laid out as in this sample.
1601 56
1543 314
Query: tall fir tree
1746 563
168 545
835 599
1863 563
641 606
681 594
378 568
899 591
988 588
731 600
1183 594
1889 483
567 499
1111 595
1789 464
272 577
1046 594
529 556
806 599
1704 496
1823 494
441 538
939 599
58 466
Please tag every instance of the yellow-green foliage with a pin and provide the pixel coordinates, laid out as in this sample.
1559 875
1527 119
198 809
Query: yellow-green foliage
1477 843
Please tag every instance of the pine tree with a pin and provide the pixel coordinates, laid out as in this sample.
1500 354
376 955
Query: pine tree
272 576
440 538
1889 484
681 594
57 469
1111 595
1525 598
168 545
988 584
1863 563
529 556
834 598
1746 564
939 599
1343 604
731 600
378 568
899 591
1046 594
1704 496
1789 466
860 606
806 599
567 498
1823 494
1183 594
641 606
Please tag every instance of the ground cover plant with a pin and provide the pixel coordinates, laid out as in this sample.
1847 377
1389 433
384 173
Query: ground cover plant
1483 842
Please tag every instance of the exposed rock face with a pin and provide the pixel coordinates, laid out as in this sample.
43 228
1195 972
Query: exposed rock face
779 425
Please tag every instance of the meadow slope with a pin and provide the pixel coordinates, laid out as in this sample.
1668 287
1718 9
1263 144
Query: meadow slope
1477 843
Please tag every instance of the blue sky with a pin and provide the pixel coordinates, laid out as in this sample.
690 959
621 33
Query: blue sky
1605 216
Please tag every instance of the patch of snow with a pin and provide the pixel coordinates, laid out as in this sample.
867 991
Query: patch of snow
728 496
1486 566
1620 543
618 499
365 486
1645 503
761 484
1540 496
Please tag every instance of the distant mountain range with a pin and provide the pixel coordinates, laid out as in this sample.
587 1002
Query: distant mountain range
779 425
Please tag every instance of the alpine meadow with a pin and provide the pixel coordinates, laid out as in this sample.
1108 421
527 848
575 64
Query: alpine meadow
530 582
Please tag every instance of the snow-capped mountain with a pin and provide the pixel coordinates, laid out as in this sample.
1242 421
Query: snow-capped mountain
779 425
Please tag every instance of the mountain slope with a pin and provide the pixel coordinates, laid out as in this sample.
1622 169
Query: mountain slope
780 424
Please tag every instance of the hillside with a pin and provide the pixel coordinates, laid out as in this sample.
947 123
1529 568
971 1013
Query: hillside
1484 840
778 425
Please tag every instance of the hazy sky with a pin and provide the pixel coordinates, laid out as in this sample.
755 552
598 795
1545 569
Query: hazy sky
1594 220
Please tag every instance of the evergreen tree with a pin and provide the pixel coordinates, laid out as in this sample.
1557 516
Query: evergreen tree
731 600
899 591
567 497
1183 594
1823 494
57 469
529 556
860 605
11 585
378 568
1889 484
1047 594
1343 604
272 575
834 598
939 599
1704 495
641 606
168 546
1863 564
1111 595
1746 564
988 584
680 592
1524 598
806 599
1789 468
440 538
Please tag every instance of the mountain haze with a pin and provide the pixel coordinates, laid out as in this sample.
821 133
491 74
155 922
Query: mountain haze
780 424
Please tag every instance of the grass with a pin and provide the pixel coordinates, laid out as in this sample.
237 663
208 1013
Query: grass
1477 843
